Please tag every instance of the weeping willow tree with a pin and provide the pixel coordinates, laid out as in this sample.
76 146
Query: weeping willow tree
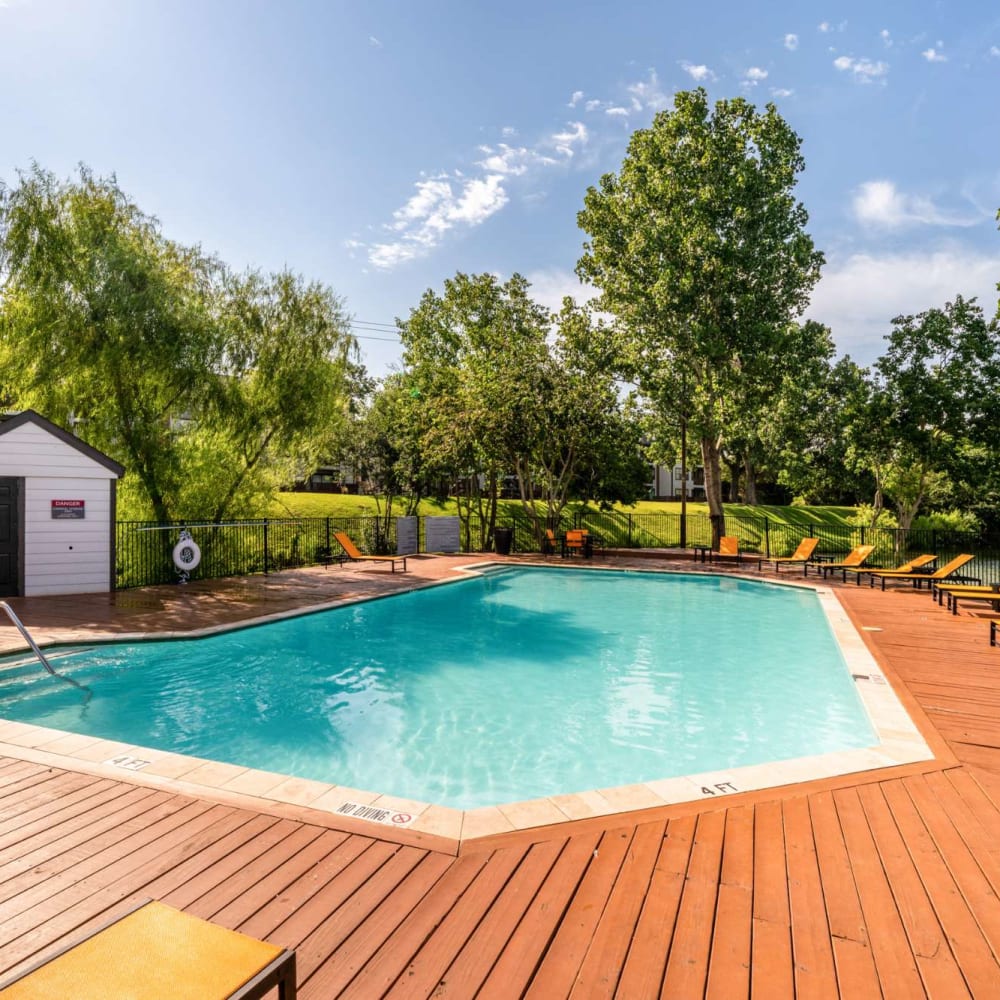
210 387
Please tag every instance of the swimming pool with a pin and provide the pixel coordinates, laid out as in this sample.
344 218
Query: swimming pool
513 685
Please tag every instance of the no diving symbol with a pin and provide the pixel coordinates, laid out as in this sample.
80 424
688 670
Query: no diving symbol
401 818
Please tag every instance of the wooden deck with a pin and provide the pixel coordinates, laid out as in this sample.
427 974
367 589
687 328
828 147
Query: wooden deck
877 885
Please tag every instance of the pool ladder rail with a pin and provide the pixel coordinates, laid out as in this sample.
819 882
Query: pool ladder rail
43 659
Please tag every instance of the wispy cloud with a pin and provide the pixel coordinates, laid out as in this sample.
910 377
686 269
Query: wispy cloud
452 200
791 42
648 95
824 27
880 203
932 55
781 92
862 70
699 73
995 51
886 38
372 40
575 99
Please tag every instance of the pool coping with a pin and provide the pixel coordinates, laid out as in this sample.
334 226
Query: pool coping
410 821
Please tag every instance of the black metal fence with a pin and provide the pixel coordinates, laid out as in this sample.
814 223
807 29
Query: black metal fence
145 548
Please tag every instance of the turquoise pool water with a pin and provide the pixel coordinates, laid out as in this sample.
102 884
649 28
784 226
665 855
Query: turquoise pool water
507 686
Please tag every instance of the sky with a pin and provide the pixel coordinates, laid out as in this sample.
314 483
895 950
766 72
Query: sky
380 147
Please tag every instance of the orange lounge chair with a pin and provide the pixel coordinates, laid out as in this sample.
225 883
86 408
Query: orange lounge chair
915 566
729 548
949 591
575 540
801 555
943 573
549 543
355 555
852 560
155 951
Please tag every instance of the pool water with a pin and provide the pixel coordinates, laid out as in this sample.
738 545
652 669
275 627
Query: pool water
506 686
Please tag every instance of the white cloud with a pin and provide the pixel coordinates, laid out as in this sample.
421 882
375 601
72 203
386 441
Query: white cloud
754 75
374 42
781 92
440 204
508 131
647 94
452 200
698 73
551 285
824 27
791 42
857 297
617 110
593 105
932 55
886 38
863 70
575 135
995 51
575 99
879 203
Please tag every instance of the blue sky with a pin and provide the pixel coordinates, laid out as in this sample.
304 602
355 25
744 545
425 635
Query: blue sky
382 146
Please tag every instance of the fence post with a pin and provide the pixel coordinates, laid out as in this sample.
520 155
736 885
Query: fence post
630 531
328 536
767 537
265 546
862 535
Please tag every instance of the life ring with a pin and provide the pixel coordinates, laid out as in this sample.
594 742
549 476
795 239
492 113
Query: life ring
187 555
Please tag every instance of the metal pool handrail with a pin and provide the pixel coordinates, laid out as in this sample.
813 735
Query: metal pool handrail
19 625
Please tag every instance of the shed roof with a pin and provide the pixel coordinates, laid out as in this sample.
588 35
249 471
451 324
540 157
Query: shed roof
10 421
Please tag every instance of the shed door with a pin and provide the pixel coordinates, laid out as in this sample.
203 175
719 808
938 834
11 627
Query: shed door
9 537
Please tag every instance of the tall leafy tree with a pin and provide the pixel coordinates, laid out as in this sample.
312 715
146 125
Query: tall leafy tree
207 386
935 398
699 250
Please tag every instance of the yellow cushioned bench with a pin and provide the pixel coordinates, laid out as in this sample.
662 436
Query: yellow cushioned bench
154 952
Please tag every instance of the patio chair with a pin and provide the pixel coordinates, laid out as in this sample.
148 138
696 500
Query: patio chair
856 557
916 566
801 555
155 951
954 592
356 555
729 548
943 592
949 569
575 540
549 543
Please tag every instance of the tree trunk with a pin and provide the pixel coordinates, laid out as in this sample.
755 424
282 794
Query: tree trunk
750 486
711 460
734 480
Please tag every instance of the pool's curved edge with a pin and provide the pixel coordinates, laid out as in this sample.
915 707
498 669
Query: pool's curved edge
409 821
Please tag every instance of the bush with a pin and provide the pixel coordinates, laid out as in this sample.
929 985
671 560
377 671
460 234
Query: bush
948 520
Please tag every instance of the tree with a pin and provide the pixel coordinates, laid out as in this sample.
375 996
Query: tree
700 251
208 387
935 396
505 399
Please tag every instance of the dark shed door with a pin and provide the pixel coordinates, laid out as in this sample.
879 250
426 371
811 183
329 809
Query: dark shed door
9 537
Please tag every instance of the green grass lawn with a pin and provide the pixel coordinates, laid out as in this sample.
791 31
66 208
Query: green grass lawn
348 505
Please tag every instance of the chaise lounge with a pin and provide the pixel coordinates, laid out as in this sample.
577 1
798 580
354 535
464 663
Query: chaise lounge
801 555
916 566
949 569
356 555
154 951
855 558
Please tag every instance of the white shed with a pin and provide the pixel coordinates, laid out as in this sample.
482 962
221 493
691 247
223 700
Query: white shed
57 510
